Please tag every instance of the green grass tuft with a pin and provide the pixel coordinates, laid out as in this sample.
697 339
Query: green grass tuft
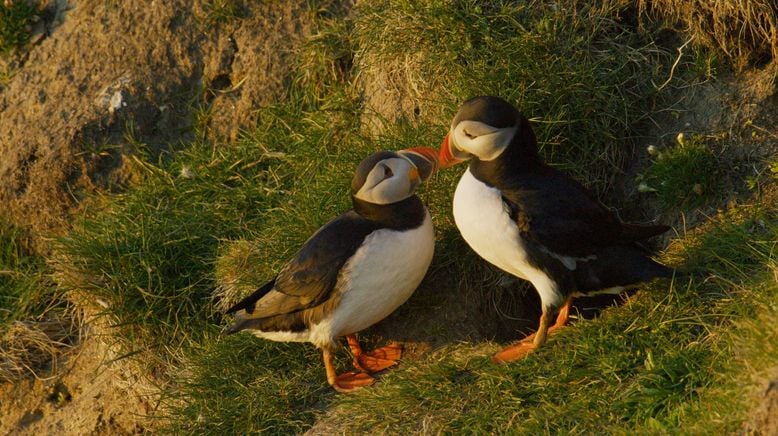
16 19
218 12
148 257
684 176
24 288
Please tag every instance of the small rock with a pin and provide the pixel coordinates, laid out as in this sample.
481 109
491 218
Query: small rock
116 102
652 150
697 189
38 33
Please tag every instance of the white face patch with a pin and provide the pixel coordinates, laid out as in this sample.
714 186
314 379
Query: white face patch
481 140
388 182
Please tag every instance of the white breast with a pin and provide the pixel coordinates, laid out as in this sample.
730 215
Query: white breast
382 275
485 224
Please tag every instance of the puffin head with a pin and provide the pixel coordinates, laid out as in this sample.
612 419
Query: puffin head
484 128
387 177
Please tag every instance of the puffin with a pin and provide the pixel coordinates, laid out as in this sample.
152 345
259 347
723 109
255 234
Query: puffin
536 222
354 271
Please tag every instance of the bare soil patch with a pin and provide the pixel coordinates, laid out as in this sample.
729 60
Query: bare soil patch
100 82
107 79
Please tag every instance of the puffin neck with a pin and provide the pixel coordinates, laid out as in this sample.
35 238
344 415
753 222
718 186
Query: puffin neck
513 162
402 215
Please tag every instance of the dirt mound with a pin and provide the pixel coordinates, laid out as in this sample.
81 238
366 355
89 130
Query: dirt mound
763 420
99 82
109 79
92 394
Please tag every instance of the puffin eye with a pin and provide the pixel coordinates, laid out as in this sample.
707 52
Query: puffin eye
387 172
468 134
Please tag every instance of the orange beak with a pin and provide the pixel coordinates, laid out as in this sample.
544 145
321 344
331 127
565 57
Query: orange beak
430 155
413 175
446 158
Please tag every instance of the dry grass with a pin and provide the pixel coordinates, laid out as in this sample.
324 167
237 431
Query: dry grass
237 274
746 31
31 347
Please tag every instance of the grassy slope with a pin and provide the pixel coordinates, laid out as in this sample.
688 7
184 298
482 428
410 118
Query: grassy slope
680 355
148 257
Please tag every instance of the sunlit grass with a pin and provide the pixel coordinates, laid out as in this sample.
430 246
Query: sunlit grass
677 355
208 223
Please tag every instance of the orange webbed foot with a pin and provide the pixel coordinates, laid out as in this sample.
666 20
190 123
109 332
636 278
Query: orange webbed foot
351 381
379 359
513 352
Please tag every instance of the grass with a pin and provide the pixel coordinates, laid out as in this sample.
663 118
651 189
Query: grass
237 386
436 54
22 277
680 356
148 256
685 175
16 17
208 222
33 327
218 12
744 32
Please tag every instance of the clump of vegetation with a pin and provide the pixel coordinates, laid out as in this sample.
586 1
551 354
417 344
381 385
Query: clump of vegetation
682 176
147 257
581 71
744 31
22 279
16 19
222 11
33 328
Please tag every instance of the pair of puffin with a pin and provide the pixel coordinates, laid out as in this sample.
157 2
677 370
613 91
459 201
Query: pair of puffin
515 211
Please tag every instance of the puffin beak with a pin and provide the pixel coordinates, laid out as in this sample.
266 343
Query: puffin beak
413 175
446 157
425 160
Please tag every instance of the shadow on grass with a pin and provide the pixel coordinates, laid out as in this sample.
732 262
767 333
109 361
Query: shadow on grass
666 359
240 385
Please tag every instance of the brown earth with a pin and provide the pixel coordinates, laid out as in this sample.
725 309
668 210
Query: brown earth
763 419
106 77
101 81
89 394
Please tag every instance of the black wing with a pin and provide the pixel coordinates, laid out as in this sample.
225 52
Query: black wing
310 277
558 213
249 302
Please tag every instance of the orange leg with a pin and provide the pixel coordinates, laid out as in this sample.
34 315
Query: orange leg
376 360
346 382
535 340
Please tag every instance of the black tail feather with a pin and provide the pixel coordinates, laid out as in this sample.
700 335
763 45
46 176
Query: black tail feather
249 302
618 266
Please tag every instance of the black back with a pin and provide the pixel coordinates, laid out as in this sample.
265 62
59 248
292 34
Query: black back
309 278
550 207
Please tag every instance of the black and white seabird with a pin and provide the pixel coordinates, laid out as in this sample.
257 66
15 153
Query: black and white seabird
355 270
534 221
